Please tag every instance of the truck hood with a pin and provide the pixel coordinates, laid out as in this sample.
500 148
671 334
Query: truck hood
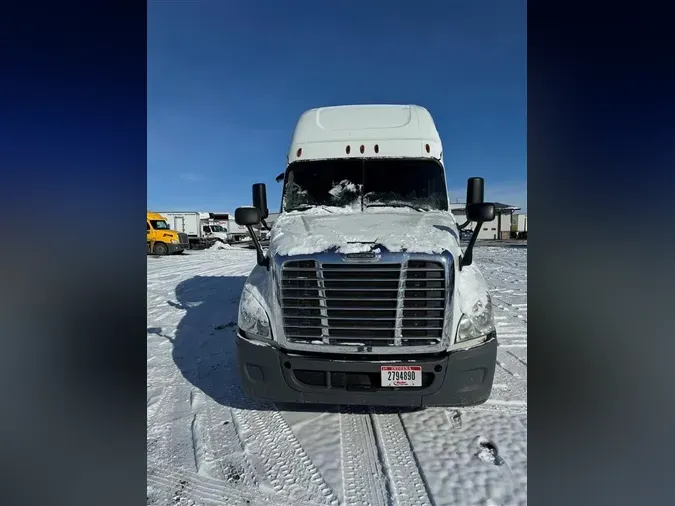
400 230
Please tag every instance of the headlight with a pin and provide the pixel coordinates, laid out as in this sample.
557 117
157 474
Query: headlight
252 316
478 324
174 241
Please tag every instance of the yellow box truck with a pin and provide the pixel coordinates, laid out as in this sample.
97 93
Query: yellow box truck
161 239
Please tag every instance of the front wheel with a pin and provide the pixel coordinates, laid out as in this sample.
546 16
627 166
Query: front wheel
160 248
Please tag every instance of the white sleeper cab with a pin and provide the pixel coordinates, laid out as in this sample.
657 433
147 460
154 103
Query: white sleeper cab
364 295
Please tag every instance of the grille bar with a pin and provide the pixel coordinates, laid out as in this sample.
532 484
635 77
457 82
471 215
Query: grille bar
369 328
358 319
349 280
287 297
307 269
361 288
347 308
341 340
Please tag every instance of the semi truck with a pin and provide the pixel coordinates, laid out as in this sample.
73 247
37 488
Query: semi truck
161 238
225 221
215 225
192 224
364 295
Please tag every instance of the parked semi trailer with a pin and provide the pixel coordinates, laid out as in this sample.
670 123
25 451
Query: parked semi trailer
161 238
365 295
191 223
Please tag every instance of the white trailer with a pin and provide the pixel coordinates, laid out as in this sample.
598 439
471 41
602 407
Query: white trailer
190 223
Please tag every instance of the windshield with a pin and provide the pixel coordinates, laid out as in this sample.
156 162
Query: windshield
362 183
217 228
159 225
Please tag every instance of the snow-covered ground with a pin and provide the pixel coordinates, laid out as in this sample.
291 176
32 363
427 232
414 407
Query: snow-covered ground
208 443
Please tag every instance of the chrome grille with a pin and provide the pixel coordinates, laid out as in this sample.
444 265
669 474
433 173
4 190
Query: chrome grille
366 304
183 238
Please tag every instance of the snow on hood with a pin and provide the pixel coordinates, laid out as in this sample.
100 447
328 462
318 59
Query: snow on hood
352 231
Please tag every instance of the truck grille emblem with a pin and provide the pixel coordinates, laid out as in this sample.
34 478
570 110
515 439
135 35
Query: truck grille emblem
361 257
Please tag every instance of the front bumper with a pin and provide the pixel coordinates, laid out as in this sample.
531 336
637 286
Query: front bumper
459 378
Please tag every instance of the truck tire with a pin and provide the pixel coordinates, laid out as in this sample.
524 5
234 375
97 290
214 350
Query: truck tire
160 248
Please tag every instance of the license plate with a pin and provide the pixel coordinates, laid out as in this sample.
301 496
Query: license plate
401 375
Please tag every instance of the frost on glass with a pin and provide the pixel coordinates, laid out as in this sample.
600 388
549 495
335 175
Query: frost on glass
295 197
252 316
344 193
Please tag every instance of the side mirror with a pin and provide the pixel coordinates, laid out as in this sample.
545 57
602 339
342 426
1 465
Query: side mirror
247 216
480 213
477 211
260 200
474 191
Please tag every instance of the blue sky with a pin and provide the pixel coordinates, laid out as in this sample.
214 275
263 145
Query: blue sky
227 82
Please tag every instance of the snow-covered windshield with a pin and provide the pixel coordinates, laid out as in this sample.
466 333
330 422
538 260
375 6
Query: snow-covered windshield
361 183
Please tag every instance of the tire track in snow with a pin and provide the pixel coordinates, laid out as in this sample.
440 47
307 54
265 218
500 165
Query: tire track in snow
519 359
281 458
170 436
222 457
500 408
188 485
225 449
512 365
363 480
406 482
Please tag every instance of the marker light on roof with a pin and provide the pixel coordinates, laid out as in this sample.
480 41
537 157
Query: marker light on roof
377 148
428 148
362 148
299 152
348 149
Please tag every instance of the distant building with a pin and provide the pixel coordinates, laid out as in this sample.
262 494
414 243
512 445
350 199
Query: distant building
499 228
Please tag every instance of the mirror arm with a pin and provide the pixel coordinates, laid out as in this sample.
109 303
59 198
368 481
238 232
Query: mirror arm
467 258
262 259
464 225
265 225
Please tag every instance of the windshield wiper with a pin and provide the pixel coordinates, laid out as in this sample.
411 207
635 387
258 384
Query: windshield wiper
305 207
398 204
